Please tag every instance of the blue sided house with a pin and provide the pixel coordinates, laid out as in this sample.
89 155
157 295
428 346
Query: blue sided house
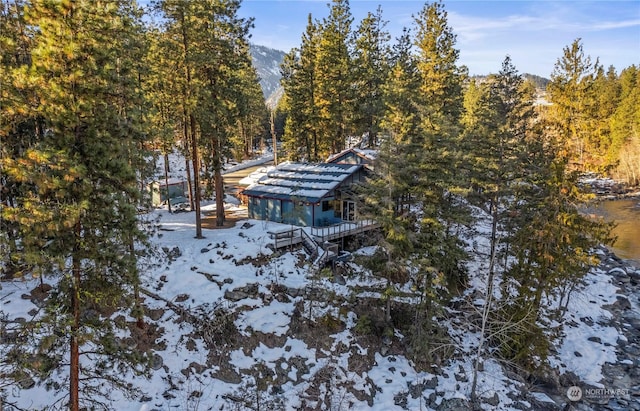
308 195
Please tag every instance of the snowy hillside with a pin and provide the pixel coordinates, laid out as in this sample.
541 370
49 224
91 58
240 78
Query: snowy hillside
235 325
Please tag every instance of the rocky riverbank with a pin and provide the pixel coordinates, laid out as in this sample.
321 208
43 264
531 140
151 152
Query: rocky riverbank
623 377
619 388
608 189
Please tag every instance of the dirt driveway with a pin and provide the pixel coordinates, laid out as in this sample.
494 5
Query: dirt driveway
231 217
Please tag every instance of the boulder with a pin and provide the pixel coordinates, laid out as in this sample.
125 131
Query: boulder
494 400
622 303
454 404
157 362
235 295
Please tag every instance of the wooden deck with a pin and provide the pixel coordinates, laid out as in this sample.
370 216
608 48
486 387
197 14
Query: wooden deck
286 238
321 235
337 231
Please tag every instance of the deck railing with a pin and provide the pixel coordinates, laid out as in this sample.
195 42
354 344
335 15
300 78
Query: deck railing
285 238
295 235
343 229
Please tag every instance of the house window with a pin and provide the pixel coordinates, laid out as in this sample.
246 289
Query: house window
327 206
348 211
337 208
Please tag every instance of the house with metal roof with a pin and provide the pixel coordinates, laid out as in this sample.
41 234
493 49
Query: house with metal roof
312 195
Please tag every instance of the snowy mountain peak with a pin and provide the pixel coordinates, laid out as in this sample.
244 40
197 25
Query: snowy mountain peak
267 62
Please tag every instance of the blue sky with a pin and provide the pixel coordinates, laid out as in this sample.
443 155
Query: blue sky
533 33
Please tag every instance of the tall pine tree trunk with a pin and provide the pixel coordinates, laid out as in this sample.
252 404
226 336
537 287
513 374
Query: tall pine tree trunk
166 180
196 175
248 145
192 123
189 183
138 310
187 148
493 209
218 182
219 197
74 361
274 139
315 147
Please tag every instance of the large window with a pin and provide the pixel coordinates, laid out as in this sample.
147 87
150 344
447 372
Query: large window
348 211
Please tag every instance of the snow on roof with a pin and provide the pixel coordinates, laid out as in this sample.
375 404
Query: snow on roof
370 155
172 181
298 183
255 176
318 168
308 182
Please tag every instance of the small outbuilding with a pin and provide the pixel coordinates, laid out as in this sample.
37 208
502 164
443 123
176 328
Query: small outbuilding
160 190
312 195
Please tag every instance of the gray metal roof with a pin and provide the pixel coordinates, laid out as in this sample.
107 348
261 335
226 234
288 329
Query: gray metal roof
301 181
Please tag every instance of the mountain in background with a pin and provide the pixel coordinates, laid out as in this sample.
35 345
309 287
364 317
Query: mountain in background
267 63
539 82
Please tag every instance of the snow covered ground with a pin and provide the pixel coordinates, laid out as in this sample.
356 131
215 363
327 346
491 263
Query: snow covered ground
260 344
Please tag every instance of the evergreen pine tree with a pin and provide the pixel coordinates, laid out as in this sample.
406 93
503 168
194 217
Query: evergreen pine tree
334 80
624 125
251 112
440 108
301 138
180 29
20 127
550 245
222 53
294 142
84 67
161 93
571 94
401 123
498 121
214 49
371 68
607 95
392 199
553 242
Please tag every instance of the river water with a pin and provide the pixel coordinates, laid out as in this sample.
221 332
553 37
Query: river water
626 214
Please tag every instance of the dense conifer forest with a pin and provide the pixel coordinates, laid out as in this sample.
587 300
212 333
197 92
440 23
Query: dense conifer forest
91 91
